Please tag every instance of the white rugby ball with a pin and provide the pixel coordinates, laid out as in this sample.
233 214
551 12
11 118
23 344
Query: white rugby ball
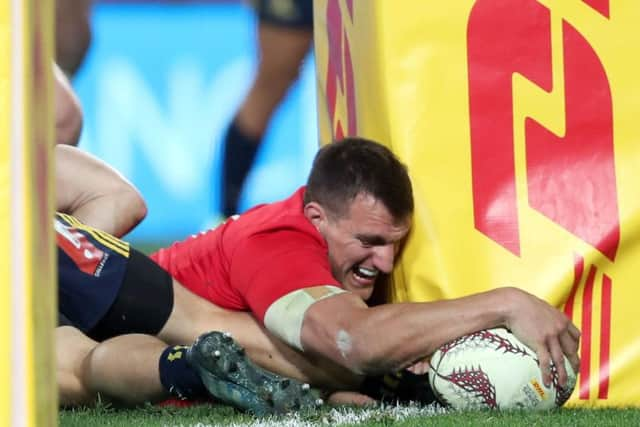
493 369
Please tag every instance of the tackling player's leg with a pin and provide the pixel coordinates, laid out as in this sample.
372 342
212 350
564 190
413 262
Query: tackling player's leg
136 368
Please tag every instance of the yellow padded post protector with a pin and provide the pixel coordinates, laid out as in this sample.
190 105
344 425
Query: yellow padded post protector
27 262
518 120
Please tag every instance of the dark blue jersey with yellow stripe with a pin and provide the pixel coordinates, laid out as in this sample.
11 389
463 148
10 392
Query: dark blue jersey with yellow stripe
91 269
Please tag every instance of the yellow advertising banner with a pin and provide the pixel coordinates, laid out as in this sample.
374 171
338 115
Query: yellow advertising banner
518 122
27 268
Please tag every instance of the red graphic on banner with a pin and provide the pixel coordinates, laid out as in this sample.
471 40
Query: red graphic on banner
605 338
586 326
601 6
503 37
585 342
578 268
571 179
340 71
350 8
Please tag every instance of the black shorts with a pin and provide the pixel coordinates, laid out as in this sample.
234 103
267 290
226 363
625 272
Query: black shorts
105 287
285 13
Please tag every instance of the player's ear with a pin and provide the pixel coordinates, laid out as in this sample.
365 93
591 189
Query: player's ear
315 213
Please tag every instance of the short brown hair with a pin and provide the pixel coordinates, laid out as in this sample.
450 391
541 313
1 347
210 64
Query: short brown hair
344 169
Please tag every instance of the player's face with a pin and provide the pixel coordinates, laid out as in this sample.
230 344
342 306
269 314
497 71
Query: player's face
363 243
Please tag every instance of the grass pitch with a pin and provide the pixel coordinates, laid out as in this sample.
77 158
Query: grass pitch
410 416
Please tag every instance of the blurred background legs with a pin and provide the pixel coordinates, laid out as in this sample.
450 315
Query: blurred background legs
285 33
159 88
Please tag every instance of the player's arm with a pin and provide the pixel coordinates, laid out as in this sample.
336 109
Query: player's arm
393 336
95 193
68 112
338 325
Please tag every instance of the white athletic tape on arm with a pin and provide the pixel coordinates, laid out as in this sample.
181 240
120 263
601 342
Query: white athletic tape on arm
284 317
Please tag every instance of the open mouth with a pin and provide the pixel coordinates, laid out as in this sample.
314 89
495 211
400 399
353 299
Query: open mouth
364 273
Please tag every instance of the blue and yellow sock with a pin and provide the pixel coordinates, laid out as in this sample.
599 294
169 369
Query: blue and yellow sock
177 376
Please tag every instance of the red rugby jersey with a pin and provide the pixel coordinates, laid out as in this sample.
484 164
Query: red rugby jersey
251 261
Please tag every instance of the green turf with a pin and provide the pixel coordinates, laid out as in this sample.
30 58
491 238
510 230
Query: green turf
206 415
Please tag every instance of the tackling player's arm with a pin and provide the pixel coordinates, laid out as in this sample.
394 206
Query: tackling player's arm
95 193
393 336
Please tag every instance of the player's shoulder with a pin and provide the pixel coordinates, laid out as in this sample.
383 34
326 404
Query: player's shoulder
284 216
284 237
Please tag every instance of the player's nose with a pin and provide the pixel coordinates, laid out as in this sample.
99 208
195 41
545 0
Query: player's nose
383 257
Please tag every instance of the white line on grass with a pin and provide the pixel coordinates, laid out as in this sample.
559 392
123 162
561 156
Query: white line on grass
338 416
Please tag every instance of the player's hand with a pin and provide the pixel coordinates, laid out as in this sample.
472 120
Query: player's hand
546 330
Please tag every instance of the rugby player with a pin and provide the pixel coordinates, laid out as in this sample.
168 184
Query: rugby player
306 266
